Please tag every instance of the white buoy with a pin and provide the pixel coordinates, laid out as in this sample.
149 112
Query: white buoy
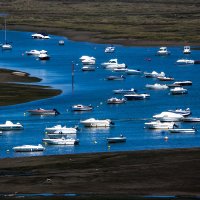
166 138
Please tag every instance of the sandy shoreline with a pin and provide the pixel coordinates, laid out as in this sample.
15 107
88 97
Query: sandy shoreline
149 172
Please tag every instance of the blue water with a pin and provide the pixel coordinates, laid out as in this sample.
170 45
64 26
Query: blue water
92 88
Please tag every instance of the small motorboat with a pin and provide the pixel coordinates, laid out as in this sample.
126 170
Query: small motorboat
178 91
184 61
61 42
186 50
168 117
115 100
133 72
6 46
119 139
183 83
10 126
61 129
156 86
109 49
44 56
80 107
61 141
88 68
116 78
41 111
112 64
120 69
164 78
35 52
92 122
40 36
185 112
159 125
89 61
163 51
29 148
154 74
124 91
182 130
136 96
191 119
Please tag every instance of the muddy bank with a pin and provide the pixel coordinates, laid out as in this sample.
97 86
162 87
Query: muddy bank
15 90
119 174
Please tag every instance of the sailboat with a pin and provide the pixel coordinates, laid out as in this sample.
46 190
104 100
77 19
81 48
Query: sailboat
6 45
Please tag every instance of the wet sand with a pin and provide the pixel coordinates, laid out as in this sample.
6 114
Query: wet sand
174 172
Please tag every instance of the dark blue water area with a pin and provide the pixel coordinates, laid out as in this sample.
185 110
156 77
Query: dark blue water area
92 88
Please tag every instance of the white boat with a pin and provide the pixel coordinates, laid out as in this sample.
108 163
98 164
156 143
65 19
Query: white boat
10 126
116 78
124 91
178 90
88 60
185 61
120 69
164 78
154 74
168 117
113 63
186 50
92 122
44 56
156 86
159 125
41 111
61 141
80 107
61 129
136 96
35 52
119 139
40 36
185 112
109 49
61 42
183 83
29 148
191 119
163 51
6 45
133 72
88 68
115 100
182 130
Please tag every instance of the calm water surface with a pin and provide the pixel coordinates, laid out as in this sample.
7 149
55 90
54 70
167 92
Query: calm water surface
92 88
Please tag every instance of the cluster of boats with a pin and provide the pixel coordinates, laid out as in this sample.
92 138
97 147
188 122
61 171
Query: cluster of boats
167 121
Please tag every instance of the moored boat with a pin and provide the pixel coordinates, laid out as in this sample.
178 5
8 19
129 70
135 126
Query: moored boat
186 50
185 112
92 122
183 83
11 126
154 74
88 68
163 51
116 78
182 130
178 91
61 129
61 141
119 139
164 78
156 86
168 117
133 72
29 148
191 119
80 107
109 49
159 125
112 64
184 61
125 91
41 111
136 96
44 56
115 100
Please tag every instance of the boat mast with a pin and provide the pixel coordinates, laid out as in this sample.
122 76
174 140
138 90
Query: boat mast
5 31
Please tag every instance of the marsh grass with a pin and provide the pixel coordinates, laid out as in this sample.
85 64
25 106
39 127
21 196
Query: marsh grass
173 20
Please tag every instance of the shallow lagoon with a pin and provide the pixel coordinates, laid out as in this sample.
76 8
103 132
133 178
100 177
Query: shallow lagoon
92 88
